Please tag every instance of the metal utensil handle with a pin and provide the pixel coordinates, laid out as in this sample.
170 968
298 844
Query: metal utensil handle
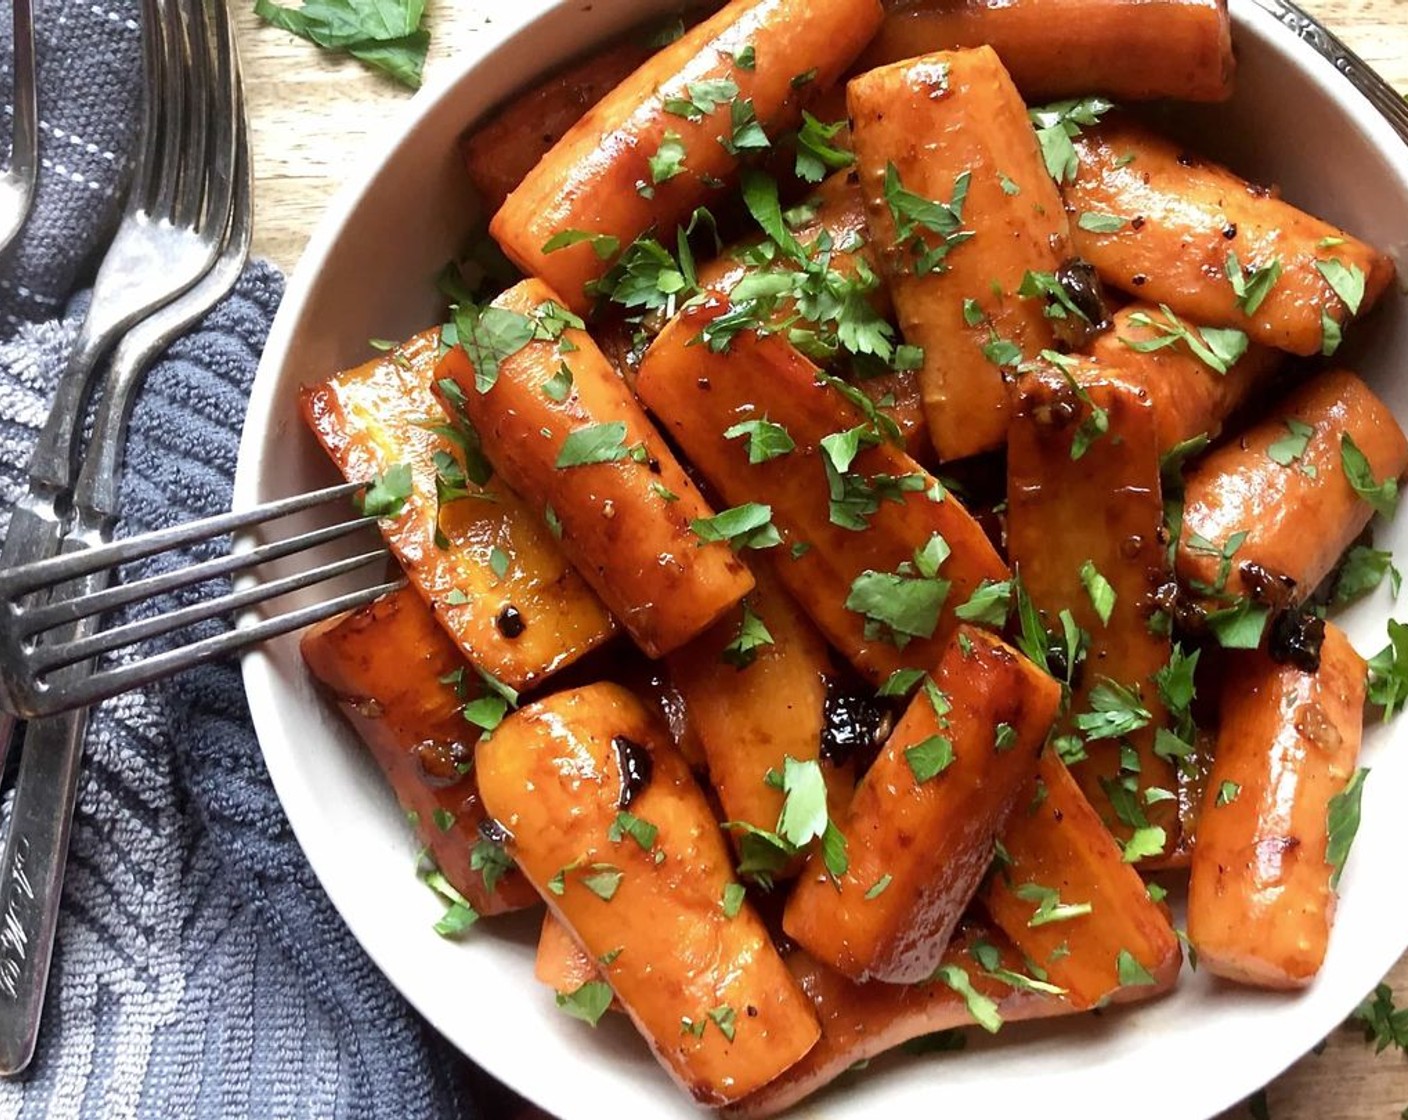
1359 73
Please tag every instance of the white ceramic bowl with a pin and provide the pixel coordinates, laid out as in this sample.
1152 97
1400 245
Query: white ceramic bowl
367 273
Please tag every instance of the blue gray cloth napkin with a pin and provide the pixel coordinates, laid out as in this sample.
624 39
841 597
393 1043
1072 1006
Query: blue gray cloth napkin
200 970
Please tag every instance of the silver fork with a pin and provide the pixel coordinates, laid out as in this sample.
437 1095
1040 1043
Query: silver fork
17 181
208 135
164 243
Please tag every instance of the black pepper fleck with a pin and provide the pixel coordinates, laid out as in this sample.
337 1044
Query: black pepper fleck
510 622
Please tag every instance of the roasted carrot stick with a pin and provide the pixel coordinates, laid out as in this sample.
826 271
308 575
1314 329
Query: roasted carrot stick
521 625
388 664
836 233
1261 900
1180 49
502 150
1084 518
580 448
849 549
755 687
670 136
921 828
1269 513
1181 220
560 962
949 128
648 893
1064 895
861 1021
1190 397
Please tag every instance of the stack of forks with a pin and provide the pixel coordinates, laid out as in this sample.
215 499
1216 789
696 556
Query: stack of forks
181 244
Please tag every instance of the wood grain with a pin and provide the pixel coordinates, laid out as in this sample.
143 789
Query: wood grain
312 114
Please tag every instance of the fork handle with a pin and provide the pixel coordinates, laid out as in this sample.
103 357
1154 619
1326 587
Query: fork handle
32 877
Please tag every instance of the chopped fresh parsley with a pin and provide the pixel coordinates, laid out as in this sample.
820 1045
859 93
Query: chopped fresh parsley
1388 671
1131 973
746 526
596 443
387 493
988 605
459 914
915 215
878 887
491 861
490 336
766 440
1362 571
668 160
1115 711
1290 447
1384 1024
603 881
1346 280
488 710
732 901
1227 793
702 98
1056 124
1093 222
1102 595
902 605
588 1003
604 245
929 758
752 636
1218 348
1342 819
982 1009
628 824
1049 907
1251 286
1145 842
1239 626
816 154
1383 496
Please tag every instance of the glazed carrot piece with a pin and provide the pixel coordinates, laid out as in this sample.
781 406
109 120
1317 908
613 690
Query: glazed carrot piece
1180 49
1297 517
1085 514
595 465
683 109
501 151
560 962
536 618
700 979
836 231
754 706
921 828
862 1021
950 128
1070 903
886 499
1181 218
386 663
1261 900
1190 397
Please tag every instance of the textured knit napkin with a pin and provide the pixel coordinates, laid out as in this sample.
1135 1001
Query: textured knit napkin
199 970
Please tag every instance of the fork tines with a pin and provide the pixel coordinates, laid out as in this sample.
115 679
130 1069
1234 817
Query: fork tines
27 612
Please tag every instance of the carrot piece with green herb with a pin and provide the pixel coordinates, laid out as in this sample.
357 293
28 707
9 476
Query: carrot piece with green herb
1085 514
884 895
1178 230
605 820
755 688
966 221
561 963
478 555
402 685
1193 388
1267 515
1280 810
671 136
873 548
1063 893
1180 49
983 980
560 425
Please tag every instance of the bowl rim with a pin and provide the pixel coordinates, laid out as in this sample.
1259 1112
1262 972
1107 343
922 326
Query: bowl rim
1249 17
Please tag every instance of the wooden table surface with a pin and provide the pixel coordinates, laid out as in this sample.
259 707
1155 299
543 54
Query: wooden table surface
311 116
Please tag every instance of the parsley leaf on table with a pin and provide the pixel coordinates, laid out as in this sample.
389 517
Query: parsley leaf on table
385 34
